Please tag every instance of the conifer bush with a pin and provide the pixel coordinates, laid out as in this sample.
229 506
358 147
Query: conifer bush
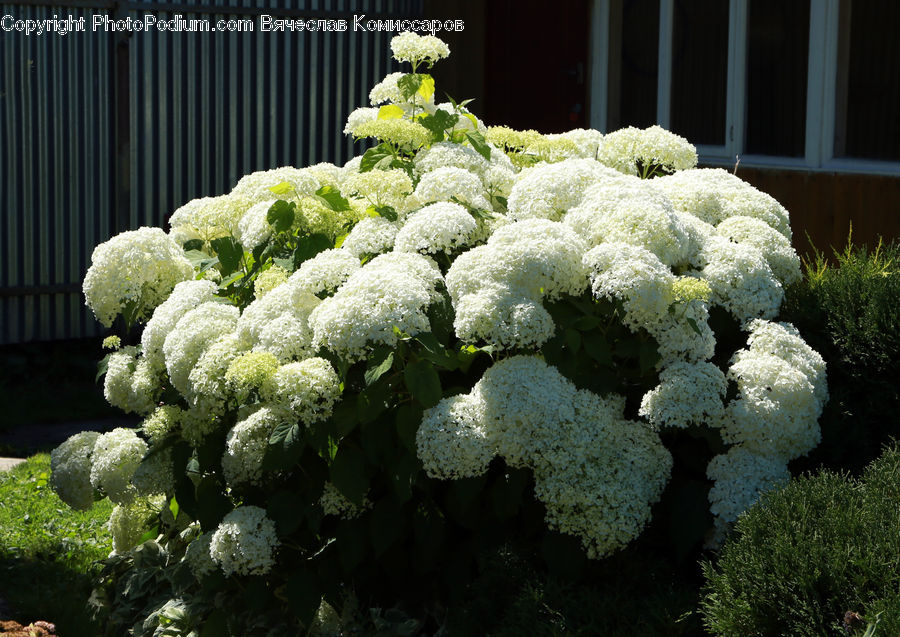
819 557
354 379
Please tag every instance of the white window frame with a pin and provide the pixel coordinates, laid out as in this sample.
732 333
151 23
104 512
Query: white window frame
821 90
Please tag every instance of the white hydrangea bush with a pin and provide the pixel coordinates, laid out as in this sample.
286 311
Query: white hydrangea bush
320 342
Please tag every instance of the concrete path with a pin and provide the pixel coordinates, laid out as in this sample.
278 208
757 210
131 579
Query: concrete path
8 463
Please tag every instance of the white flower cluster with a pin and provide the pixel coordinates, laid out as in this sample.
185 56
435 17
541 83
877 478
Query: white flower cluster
449 182
497 288
128 522
713 195
379 187
245 446
115 458
277 322
198 558
333 502
245 542
70 470
630 210
580 142
207 218
548 191
308 389
438 227
688 394
392 291
409 47
134 271
254 228
534 220
257 187
327 271
193 334
597 473
184 298
781 392
371 236
634 150
130 384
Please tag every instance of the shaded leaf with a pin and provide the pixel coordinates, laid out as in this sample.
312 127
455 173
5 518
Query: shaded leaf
281 215
423 382
230 253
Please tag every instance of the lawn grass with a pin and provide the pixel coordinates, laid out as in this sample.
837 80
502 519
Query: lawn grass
48 550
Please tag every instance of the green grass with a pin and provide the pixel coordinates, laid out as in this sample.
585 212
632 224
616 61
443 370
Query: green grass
48 550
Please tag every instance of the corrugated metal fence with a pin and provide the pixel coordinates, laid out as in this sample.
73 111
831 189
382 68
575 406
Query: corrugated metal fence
102 131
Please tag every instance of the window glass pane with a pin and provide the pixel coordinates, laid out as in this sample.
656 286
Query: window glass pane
633 63
777 57
868 121
700 70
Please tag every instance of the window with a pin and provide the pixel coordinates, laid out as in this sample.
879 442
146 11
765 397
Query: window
811 84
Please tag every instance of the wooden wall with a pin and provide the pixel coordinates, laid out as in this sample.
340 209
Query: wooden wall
823 205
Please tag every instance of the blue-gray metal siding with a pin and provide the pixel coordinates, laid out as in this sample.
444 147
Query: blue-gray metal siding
202 109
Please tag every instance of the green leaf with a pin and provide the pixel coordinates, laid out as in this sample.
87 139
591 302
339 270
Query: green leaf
309 246
379 157
439 122
284 512
281 215
379 364
348 473
435 352
332 198
344 417
284 264
597 348
563 554
230 253
285 447
350 538
372 401
423 382
193 245
385 526
102 367
408 418
386 211
212 503
573 339
648 356
586 323
215 624
426 86
694 326
479 144
403 475
390 111
304 595
282 189
409 85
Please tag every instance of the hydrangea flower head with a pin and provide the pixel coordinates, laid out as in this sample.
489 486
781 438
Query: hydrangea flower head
134 271
245 542
418 49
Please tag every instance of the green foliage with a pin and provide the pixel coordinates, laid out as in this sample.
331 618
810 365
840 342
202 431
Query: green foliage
48 552
848 309
804 556
636 592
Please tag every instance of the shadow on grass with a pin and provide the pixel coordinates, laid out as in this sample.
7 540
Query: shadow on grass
42 589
